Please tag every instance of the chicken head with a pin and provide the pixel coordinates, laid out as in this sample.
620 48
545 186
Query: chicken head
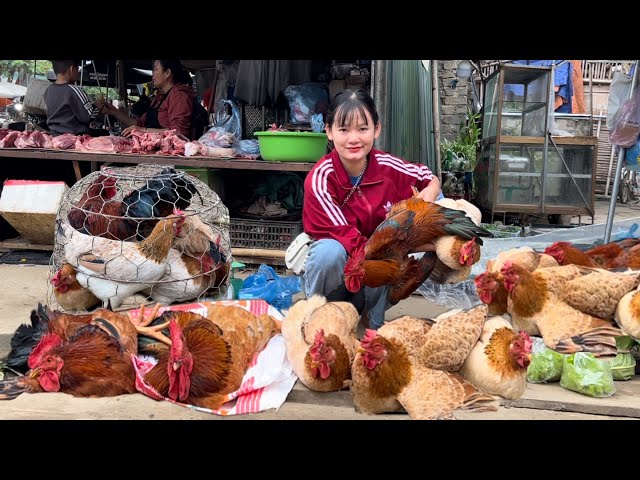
180 364
510 275
322 355
47 343
556 251
48 372
372 349
353 270
469 253
46 367
63 278
486 284
520 349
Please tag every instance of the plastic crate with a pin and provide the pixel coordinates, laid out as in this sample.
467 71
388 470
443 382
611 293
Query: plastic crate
267 234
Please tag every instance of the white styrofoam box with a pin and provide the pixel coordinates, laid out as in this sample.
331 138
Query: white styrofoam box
31 206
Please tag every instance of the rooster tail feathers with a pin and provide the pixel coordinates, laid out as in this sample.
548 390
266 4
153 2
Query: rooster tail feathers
599 341
27 337
12 388
463 227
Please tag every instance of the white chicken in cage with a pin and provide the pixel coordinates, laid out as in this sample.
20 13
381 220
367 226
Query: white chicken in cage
178 258
113 269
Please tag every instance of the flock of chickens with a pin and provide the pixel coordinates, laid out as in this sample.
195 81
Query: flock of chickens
201 361
572 299
117 244
461 360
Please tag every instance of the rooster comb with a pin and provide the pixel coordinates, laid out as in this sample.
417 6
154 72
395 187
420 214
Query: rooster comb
369 335
319 338
528 343
507 265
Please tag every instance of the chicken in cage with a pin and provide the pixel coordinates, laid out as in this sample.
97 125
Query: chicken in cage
144 230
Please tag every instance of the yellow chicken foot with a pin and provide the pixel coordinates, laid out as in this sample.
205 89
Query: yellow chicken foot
139 321
155 332
142 325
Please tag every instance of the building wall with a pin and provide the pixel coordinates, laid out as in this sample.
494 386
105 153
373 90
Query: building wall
453 99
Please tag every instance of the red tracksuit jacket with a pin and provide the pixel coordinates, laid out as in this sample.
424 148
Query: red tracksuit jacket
387 180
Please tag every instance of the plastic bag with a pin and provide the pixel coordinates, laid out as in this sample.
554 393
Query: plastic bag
631 233
247 149
268 286
306 100
546 364
623 367
460 295
227 129
584 373
618 93
632 157
626 123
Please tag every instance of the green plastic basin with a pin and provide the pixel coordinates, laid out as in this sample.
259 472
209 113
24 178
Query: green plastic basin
292 146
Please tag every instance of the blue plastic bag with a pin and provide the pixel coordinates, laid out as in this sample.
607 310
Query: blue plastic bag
268 286
631 157
631 233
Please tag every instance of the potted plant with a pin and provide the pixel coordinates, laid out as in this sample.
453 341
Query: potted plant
460 154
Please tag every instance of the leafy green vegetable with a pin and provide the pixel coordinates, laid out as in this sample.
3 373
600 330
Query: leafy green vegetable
623 367
545 366
583 373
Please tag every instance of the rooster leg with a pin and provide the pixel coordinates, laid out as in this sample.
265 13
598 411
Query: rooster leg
155 332
139 321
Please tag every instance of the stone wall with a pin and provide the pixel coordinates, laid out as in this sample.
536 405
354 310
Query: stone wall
453 99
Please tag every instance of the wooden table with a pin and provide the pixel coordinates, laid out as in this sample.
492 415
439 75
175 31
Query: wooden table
95 158
108 158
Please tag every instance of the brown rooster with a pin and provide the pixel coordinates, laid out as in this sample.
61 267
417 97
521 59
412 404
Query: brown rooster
498 363
389 372
404 275
208 356
91 363
567 254
560 303
623 253
412 223
321 342
69 293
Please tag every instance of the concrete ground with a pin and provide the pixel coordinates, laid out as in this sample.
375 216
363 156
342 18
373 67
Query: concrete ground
23 286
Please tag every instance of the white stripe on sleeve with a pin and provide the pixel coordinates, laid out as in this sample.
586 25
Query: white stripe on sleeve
319 184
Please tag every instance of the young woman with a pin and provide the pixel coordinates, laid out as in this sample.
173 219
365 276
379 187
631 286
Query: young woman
347 195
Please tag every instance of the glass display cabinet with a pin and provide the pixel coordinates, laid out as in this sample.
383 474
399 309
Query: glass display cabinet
520 168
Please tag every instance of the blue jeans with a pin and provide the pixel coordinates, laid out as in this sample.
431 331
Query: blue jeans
324 275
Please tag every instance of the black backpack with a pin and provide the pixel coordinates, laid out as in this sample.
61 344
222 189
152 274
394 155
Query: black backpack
199 120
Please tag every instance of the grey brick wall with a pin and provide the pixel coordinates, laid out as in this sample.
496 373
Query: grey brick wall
453 101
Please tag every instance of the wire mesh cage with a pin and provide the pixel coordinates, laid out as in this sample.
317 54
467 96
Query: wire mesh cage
258 119
145 230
